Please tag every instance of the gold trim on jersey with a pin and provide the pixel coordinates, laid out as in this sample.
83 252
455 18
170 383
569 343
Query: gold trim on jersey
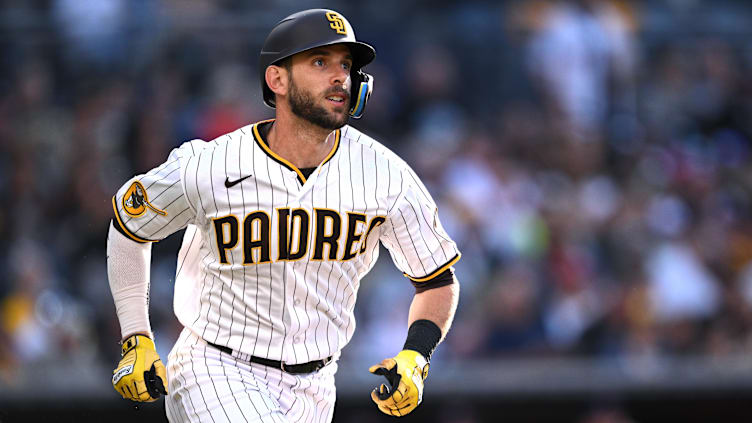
279 159
122 225
436 272
337 136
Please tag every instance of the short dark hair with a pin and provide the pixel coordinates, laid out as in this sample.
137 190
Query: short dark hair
286 63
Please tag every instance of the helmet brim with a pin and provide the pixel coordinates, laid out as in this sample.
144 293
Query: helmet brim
362 53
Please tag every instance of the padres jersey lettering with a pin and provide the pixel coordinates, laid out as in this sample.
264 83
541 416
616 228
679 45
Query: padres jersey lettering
271 260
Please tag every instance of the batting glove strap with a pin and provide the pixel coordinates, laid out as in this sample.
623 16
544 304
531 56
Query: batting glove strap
403 391
140 375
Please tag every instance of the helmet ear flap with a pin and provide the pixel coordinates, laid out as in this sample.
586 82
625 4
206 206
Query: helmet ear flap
362 86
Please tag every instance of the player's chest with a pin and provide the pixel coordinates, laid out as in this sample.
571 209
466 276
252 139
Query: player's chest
237 195
345 184
277 216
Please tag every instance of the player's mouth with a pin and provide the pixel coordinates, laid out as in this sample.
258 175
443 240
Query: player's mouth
337 99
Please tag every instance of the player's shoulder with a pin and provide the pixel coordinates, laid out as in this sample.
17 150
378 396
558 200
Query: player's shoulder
354 136
398 166
200 147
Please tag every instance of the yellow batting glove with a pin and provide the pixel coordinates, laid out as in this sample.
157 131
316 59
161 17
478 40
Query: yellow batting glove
405 374
140 375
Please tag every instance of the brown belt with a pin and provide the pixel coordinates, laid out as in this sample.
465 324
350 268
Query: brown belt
295 369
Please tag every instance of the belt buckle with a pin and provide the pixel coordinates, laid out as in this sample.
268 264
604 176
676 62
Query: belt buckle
282 366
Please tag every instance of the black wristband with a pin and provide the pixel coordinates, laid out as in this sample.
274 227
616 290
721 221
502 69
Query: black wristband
423 337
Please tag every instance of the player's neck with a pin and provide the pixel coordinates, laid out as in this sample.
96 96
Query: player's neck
299 142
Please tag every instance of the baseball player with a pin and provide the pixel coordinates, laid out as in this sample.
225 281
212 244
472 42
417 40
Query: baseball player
283 218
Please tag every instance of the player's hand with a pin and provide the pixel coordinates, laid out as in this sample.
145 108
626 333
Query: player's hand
140 375
403 391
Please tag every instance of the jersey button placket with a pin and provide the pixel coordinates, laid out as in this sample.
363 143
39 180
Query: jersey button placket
310 181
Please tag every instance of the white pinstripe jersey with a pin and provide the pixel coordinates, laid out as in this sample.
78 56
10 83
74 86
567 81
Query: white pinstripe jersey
271 261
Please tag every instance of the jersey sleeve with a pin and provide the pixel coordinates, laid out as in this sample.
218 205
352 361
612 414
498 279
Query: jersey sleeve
152 206
418 244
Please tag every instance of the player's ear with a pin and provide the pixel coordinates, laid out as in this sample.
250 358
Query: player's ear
277 79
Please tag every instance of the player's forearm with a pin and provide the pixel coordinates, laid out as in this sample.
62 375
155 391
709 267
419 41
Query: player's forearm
128 274
437 305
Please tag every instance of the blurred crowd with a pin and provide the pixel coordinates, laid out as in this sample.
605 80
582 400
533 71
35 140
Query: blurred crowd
591 159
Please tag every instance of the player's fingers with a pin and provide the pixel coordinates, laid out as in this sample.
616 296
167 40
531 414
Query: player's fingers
385 365
384 392
373 368
139 387
402 407
380 394
396 404
395 396
390 411
145 397
396 400
407 409
402 391
160 387
137 392
131 391
375 397
386 410
404 404
143 393
154 383
385 399
162 374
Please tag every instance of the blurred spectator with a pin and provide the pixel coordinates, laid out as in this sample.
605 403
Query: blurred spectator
94 32
580 48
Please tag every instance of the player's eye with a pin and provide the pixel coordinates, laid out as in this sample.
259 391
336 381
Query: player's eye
318 62
346 66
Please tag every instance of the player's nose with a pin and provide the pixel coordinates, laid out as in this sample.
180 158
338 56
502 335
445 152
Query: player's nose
340 76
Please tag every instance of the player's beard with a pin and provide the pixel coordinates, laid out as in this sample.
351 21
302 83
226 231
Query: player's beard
303 105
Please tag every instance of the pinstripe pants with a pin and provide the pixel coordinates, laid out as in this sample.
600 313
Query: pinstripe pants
207 385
